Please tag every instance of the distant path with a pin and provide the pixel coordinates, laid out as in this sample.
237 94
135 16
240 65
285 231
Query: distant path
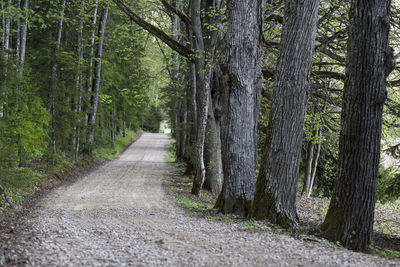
119 215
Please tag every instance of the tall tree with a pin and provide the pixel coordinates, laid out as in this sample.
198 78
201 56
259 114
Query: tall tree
22 38
242 86
97 74
54 67
275 197
350 215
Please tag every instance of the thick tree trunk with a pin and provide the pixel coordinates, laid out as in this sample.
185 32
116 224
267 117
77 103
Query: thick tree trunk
350 216
241 100
275 197
97 76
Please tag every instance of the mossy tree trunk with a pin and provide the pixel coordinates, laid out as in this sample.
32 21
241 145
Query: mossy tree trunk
350 215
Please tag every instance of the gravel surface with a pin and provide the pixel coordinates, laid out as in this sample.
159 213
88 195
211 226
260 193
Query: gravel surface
120 215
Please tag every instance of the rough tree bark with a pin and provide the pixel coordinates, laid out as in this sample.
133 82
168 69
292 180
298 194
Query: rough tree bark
242 87
275 197
350 215
97 74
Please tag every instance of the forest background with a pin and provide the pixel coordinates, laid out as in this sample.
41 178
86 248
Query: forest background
79 78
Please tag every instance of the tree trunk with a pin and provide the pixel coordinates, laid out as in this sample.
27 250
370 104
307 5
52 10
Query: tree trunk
192 118
309 167
23 33
97 76
51 106
18 38
315 165
79 77
203 91
212 153
275 197
6 34
91 56
5 46
242 87
350 215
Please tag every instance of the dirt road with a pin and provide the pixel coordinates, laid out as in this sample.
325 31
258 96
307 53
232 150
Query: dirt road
120 215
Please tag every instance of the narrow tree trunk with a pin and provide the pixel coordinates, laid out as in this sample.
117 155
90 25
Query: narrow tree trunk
212 154
275 197
309 167
124 129
315 165
242 87
51 106
5 46
23 33
192 118
202 96
350 216
79 78
91 56
97 76
18 38
3 24
6 33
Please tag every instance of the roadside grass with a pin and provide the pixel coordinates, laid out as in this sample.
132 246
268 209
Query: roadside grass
108 151
19 183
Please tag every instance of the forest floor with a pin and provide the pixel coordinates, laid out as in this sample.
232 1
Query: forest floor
136 211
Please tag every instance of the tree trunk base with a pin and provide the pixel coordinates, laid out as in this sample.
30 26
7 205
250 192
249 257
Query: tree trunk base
236 206
267 208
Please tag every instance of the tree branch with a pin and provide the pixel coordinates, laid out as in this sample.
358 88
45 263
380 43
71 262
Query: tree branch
155 31
185 18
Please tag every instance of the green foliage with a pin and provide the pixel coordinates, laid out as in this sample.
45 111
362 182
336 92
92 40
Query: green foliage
151 119
110 151
18 184
171 156
388 184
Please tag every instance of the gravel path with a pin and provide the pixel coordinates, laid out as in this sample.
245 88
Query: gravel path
120 215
